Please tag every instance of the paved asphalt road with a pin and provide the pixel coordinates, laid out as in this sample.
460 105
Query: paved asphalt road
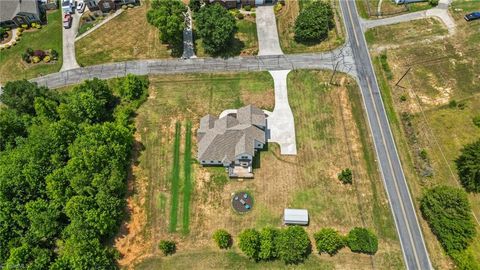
408 228
341 58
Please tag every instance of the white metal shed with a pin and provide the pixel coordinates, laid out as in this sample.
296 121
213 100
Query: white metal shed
295 217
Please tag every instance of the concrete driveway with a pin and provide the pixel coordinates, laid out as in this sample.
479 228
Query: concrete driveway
280 123
267 31
69 60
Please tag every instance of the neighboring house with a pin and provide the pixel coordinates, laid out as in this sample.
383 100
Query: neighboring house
107 6
239 3
14 13
295 217
233 140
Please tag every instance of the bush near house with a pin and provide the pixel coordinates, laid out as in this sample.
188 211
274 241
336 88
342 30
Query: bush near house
223 239
167 247
329 241
362 240
293 245
314 22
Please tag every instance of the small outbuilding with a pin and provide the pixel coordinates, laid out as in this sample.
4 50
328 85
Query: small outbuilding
295 217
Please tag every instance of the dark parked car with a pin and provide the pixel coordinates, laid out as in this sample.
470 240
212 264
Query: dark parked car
472 16
67 21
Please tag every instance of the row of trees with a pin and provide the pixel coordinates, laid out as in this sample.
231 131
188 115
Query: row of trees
292 244
63 171
214 24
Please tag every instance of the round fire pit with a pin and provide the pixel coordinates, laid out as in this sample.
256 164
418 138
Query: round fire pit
242 202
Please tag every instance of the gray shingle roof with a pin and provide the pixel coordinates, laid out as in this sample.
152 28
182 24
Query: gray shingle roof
231 136
10 8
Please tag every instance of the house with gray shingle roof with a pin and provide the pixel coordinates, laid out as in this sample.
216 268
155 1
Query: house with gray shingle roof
233 140
14 13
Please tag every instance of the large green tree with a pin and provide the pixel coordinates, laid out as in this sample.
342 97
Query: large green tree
216 27
20 95
293 245
468 165
167 16
449 215
314 22
12 126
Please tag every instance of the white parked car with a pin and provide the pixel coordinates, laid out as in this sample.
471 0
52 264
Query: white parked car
81 7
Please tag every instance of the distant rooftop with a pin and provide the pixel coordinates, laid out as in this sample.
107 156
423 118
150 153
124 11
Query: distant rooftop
10 8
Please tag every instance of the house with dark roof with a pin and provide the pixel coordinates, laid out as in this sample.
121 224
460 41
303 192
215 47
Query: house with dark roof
233 140
15 13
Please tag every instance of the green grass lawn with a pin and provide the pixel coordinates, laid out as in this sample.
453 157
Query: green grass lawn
175 179
245 42
49 37
187 178
286 22
441 70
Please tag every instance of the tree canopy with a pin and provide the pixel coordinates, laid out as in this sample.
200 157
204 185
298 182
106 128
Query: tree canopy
249 243
329 241
362 240
468 165
449 215
293 245
223 239
168 17
216 27
63 171
314 22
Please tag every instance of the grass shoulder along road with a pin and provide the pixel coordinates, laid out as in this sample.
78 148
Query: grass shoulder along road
329 123
428 131
12 67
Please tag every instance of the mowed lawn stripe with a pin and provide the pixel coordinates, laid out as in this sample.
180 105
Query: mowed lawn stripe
175 187
187 172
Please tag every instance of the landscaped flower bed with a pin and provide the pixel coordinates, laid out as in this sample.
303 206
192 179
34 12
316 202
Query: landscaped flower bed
37 56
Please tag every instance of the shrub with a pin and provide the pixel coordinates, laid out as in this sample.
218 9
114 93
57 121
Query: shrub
268 238
329 241
403 98
278 8
362 240
8 46
54 54
223 239
167 247
314 22
20 30
35 59
452 103
293 245
24 26
476 120
240 16
433 3
38 26
345 176
247 8
39 53
449 215
29 51
249 243
19 34
46 59
26 57
468 166
423 154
